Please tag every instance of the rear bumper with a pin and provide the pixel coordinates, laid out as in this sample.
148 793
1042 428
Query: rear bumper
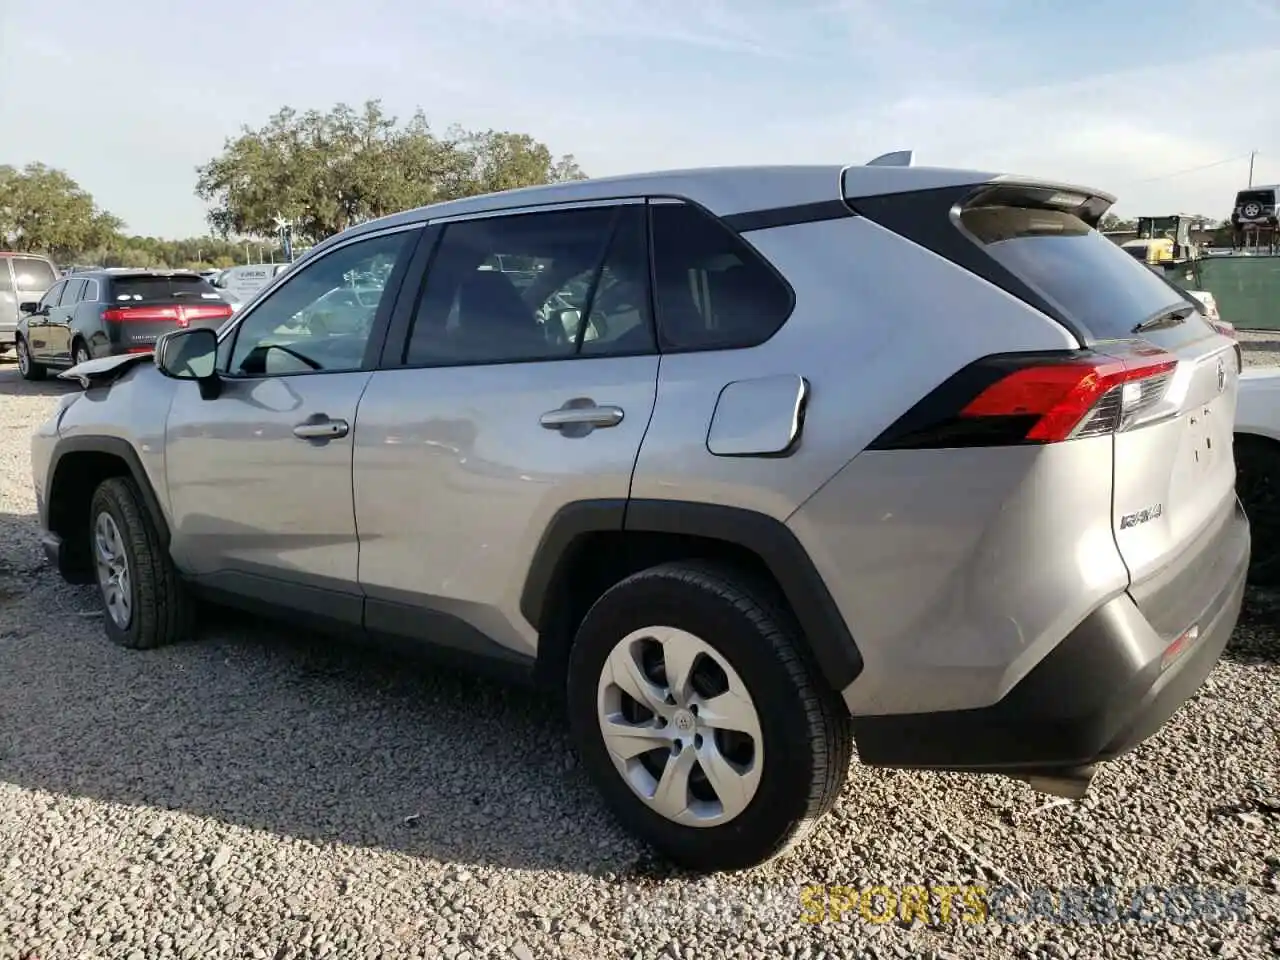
1101 692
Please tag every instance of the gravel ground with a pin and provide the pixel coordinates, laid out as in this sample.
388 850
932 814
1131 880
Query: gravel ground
257 794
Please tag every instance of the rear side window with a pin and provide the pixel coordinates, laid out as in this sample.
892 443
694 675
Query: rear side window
71 293
6 278
712 291
144 289
1074 267
33 274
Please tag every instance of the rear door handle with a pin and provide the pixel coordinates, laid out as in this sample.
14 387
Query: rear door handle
321 427
582 414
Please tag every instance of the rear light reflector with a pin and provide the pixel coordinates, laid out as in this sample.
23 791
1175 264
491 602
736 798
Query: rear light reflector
1037 399
1179 646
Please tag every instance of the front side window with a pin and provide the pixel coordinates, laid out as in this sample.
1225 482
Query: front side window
50 298
320 318
712 290
536 286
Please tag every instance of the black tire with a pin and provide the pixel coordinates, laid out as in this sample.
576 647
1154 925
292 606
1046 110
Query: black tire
29 369
807 735
79 353
1258 486
161 606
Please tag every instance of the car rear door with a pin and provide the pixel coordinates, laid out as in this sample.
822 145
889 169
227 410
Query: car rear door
495 409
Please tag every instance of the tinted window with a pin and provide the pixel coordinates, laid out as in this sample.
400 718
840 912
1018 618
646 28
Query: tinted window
71 293
50 298
321 317
90 291
161 289
33 275
538 286
1088 277
712 290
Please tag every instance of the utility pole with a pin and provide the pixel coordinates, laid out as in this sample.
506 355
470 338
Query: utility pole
1252 154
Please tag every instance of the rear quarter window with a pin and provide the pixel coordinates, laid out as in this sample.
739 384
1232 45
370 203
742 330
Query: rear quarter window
163 290
712 290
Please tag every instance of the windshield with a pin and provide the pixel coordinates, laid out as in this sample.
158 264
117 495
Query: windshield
1088 277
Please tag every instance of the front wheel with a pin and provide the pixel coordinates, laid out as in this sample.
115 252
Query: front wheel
80 354
29 369
144 602
697 713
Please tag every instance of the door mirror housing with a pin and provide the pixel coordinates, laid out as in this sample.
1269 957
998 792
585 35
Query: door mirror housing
29 307
190 354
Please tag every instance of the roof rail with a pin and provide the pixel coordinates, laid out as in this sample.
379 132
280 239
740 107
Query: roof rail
898 158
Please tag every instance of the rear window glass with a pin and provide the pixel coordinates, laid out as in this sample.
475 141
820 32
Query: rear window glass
162 289
1086 276
1265 197
33 274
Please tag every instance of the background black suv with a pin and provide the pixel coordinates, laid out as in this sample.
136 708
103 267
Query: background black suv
106 312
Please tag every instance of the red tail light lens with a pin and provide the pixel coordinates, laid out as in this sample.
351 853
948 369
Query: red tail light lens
1063 397
181 315
1036 399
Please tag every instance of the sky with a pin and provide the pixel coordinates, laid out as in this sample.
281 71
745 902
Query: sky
1159 104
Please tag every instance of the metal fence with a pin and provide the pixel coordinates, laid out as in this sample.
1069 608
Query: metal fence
1246 288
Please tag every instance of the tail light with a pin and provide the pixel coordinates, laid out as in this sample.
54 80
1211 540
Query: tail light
1036 398
182 315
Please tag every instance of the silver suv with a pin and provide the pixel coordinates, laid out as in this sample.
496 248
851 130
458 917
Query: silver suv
753 463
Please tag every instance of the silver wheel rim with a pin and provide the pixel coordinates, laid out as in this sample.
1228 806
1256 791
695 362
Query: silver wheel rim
680 726
82 355
24 361
113 570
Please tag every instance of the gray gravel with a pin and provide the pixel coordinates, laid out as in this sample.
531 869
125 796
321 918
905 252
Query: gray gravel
260 794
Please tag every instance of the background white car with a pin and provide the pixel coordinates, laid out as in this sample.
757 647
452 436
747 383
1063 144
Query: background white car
1257 452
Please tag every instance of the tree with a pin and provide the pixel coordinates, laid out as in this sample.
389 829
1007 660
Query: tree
44 210
328 171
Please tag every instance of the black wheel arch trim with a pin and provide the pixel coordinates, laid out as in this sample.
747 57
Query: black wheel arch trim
828 636
116 447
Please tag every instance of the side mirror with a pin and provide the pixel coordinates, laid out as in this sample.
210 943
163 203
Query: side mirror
29 307
190 355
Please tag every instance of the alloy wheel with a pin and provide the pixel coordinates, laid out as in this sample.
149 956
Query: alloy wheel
114 579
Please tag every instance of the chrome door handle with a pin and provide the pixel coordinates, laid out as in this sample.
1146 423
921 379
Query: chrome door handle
582 415
321 429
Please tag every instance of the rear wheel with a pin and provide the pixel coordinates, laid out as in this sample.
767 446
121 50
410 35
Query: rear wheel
1258 485
698 715
144 602
29 369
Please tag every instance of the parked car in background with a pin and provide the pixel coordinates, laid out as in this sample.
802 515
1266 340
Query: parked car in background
110 312
1257 456
245 281
23 277
914 458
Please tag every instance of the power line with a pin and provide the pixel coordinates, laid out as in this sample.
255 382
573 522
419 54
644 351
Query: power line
1206 166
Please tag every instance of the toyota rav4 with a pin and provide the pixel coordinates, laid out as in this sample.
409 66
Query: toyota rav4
754 464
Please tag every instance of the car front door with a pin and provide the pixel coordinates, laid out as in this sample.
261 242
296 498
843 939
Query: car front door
58 323
259 477
518 379
38 322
